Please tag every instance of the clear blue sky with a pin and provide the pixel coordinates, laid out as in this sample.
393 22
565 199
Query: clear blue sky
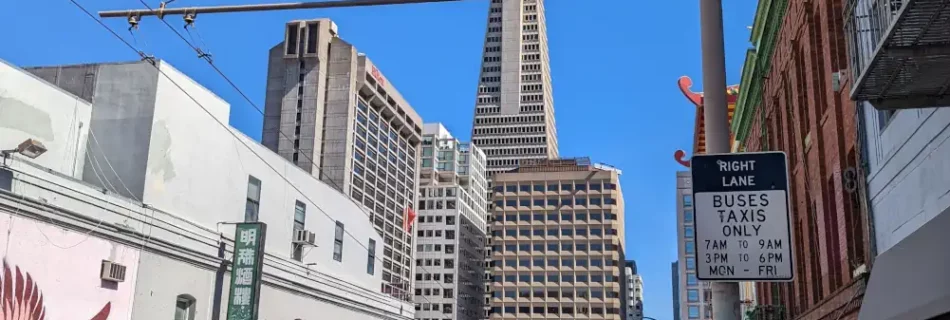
615 64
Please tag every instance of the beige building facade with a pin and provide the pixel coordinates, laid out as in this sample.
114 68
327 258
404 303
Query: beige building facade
556 242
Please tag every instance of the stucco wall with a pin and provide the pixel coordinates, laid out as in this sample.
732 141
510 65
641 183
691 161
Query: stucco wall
196 167
31 108
64 266
909 179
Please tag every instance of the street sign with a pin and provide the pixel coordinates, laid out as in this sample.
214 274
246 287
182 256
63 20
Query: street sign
742 217
246 271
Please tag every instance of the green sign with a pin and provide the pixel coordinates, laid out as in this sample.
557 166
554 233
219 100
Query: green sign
246 271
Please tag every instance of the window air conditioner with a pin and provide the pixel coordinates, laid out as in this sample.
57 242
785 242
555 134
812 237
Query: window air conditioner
305 237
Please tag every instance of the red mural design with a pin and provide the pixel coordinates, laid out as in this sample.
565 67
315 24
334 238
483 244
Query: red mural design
679 155
21 298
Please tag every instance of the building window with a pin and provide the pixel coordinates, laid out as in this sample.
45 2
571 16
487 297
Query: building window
252 207
688 216
185 307
687 200
692 295
688 232
371 258
693 312
691 279
338 242
690 263
300 217
690 247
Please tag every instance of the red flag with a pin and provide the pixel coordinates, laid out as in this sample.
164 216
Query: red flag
408 219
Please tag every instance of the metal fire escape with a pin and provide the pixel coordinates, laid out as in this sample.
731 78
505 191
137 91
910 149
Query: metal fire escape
899 52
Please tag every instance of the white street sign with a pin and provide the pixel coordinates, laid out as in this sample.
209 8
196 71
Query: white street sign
742 217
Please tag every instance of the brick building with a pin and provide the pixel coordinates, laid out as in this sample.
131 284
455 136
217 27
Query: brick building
792 100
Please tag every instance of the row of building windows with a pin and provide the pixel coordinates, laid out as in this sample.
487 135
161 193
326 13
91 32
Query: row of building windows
553 278
591 215
584 293
566 311
444 277
565 247
557 201
541 187
252 214
549 262
485 142
510 130
553 232
446 307
510 120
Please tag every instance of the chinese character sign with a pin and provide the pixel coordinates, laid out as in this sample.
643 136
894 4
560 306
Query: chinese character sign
246 271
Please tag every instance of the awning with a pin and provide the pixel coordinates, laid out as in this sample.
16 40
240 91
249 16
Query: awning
911 280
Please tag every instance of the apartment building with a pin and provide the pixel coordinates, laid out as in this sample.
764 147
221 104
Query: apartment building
514 106
332 112
142 178
557 241
450 228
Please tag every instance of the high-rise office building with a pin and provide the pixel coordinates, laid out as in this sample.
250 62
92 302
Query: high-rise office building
450 231
557 241
634 292
331 112
676 289
695 297
514 108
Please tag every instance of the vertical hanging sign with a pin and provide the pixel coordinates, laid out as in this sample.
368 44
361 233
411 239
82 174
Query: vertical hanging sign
246 271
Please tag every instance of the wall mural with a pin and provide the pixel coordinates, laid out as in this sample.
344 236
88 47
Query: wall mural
51 273
22 299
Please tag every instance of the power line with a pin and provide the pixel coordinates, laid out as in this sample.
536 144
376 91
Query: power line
258 7
152 61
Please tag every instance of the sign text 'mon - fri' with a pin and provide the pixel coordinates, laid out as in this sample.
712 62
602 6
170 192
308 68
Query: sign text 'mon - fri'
742 217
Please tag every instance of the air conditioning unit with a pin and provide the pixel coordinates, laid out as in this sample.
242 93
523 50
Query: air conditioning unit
112 271
305 237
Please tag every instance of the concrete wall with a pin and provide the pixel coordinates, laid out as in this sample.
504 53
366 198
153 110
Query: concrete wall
909 176
63 267
31 108
193 177
200 168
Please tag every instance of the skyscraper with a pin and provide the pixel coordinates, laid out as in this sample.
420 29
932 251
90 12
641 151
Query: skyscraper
451 228
514 108
331 112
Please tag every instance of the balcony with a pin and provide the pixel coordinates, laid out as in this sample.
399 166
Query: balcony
899 52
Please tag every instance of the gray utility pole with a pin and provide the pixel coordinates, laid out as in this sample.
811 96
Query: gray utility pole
193 11
725 295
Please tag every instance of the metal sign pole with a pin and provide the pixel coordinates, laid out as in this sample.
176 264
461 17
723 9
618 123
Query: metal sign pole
725 295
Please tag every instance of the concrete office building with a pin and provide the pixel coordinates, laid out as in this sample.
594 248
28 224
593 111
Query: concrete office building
633 292
450 228
695 297
514 107
676 289
557 241
140 178
328 103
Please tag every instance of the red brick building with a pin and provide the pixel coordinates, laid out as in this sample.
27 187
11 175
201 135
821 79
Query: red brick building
794 98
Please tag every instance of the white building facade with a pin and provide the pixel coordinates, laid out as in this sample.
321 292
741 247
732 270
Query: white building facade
164 181
634 291
450 228
908 180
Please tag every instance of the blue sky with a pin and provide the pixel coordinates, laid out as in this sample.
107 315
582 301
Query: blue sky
614 62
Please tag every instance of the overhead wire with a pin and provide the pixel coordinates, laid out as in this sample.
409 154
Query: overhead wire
152 61
203 55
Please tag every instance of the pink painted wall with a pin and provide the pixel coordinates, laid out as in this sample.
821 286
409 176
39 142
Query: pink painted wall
64 266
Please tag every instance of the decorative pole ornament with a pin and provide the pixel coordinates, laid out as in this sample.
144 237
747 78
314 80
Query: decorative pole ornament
679 155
